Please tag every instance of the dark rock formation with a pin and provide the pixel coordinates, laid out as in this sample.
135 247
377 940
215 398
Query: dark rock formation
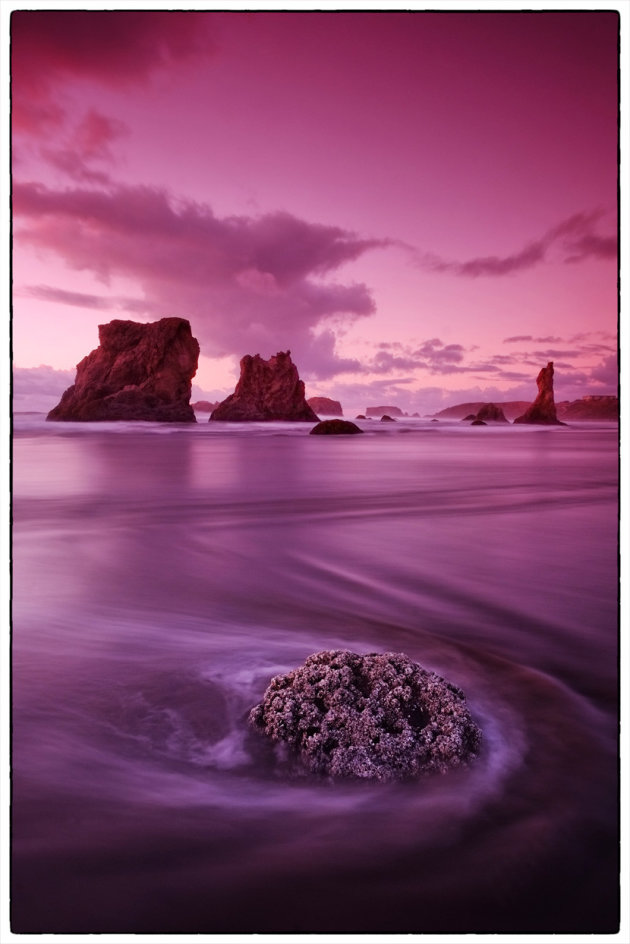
379 410
335 428
139 372
464 411
205 406
387 419
323 406
543 409
360 416
478 423
266 390
471 416
376 716
490 413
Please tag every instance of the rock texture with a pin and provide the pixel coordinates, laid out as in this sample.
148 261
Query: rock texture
139 372
376 716
490 413
266 390
335 428
543 409
324 406
379 410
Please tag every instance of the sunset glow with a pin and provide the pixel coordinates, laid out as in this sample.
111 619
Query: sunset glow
421 206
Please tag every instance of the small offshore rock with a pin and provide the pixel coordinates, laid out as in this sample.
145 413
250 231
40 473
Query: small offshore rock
335 428
478 423
378 716
324 406
385 418
491 413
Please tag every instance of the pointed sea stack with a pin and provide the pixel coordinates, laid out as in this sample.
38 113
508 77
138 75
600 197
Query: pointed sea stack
139 372
543 409
266 391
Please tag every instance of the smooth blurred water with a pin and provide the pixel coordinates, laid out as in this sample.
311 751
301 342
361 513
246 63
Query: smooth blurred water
163 574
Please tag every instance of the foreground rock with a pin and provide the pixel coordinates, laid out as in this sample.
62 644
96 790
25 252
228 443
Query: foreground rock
324 406
335 428
139 372
376 716
266 390
490 413
543 409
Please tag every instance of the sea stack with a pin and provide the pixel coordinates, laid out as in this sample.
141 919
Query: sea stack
490 413
378 716
138 372
543 409
266 391
324 406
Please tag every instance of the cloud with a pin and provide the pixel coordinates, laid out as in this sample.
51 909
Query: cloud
39 388
573 240
248 284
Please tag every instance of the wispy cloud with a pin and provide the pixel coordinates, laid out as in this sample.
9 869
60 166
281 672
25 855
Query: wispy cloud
573 240
246 283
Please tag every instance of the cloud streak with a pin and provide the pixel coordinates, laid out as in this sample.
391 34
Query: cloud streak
572 240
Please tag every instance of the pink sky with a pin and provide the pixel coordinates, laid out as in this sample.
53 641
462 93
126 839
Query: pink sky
421 206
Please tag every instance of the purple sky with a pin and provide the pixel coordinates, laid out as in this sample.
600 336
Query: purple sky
421 206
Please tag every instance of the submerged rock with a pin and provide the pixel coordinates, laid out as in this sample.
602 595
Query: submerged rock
543 409
325 406
335 428
378 716
266 390
478 423
490 413
139 372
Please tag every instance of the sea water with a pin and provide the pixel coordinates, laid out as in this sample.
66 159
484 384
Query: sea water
163 574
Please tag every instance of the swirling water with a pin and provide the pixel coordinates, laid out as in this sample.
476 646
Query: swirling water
163 574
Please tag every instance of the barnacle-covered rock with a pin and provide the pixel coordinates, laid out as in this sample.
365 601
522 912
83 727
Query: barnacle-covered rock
378 716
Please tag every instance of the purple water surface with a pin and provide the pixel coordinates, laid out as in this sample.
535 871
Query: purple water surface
162 576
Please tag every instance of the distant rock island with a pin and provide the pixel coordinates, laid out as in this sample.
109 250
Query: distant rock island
605 408
490 413
543 409
138 372
324 406
205 406
380 410
266 391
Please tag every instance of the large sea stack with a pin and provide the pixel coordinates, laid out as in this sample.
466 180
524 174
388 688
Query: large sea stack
138 372
266 390
378 716
543 409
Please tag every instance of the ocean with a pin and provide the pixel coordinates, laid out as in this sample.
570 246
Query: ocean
162 574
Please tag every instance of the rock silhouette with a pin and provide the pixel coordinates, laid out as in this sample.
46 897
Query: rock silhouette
378 716
138 372
385 418
543 409
266 390
490 413
335 428
325 406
